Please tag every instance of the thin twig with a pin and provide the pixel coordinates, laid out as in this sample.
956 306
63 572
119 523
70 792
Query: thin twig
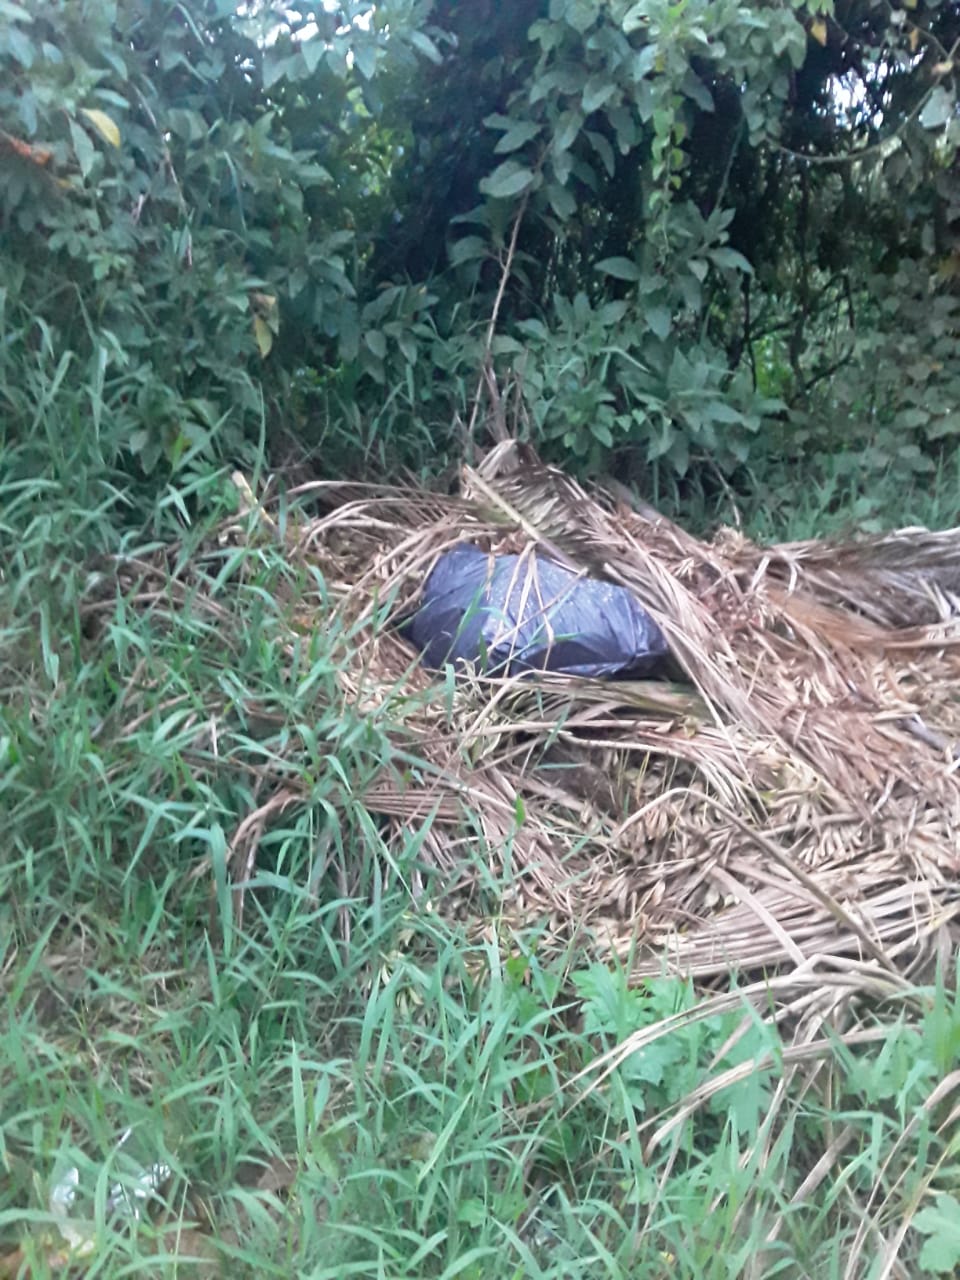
486 372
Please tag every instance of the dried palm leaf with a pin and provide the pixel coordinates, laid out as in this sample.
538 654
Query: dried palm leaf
792 795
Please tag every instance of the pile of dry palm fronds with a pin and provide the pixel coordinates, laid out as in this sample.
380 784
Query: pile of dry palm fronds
796 796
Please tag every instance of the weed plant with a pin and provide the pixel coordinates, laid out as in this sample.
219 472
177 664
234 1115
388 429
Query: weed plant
337 1080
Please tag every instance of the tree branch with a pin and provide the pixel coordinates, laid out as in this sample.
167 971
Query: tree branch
486 373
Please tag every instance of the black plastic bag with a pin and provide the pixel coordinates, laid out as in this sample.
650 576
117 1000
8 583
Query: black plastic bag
509 614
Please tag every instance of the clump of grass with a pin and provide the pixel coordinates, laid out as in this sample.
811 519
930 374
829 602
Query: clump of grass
836 497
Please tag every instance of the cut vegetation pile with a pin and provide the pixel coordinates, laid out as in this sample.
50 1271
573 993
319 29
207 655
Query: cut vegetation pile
365 960
792 796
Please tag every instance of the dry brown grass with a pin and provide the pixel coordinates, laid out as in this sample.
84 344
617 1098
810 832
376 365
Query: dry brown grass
797 798
794 796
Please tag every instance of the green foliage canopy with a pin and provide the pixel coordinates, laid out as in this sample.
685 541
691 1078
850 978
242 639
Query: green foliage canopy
733 222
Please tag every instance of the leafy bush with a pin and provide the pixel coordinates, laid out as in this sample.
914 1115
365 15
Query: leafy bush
186 222
235 222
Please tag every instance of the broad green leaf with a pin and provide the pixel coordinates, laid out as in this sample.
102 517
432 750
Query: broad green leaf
379 307
940 1254
948 425
467 249
312 52
376 342
561 200
637 16
276 68
581 14
913 418
189 125
365 59
473 1213
598 90
938 109
603 150
620 268
659 320
373 367
659 439
694 88
517 136
408 347
645 61
646 100
691 292
508 179
720 411
297 281
546 84
730 260
626 129
426 46
503 345
562 164
22 47
83 148
103 124
679 455
612 313
568 126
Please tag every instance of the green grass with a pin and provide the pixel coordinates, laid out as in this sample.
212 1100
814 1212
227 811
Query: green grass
343 1082
839 496
825 496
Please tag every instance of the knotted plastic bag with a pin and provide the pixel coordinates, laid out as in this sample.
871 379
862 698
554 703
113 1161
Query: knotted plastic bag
509 614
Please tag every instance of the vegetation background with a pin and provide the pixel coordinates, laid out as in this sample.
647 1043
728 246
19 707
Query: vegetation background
708 248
